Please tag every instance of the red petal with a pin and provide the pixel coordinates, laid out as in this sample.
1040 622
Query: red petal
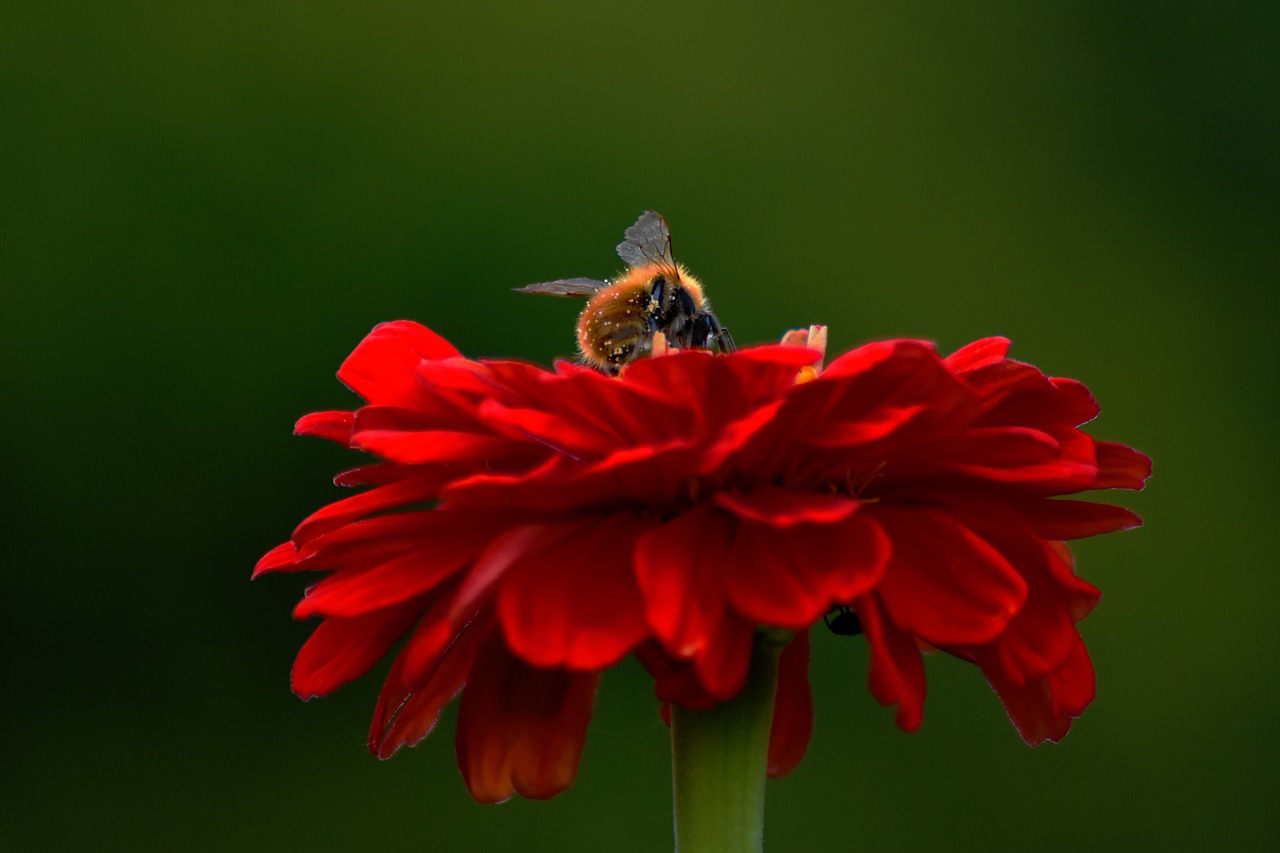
343 649
456 540
782 508
1075 402
422 486
1007 455
717 389
735 436
361 544
1120 467
1038 639
1043 707
619 414
897 672
576 604
673 680
280 558
1033 399
382 369
1063 519
873 426
521 729
378 474
873 401
680 567
502 553
792 709
428 672
788 577
944 583
647 476
868 356
420 447
722 666
335 426
571 437
979 354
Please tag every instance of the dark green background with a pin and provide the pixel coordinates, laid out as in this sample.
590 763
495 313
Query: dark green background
203 207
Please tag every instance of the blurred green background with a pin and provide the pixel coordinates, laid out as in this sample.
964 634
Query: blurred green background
203 207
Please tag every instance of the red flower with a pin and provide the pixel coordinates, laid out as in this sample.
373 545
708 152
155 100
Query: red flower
526 529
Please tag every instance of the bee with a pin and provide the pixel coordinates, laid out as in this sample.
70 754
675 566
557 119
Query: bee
654 296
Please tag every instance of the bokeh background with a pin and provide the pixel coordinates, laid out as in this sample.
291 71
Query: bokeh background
203 207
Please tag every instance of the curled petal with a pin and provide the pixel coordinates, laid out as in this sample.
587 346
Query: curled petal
673 680
897 671
335 426
783 508
792 709
429 671
981 353
1121 467
521 729
1042 708
281 558
382 369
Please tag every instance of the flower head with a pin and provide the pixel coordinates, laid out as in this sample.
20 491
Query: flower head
525 529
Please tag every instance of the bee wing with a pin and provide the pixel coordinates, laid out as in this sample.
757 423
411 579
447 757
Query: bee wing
647 242
564 287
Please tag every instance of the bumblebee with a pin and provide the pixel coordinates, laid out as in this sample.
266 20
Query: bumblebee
654 296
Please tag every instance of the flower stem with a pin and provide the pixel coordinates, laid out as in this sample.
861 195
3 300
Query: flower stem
719 756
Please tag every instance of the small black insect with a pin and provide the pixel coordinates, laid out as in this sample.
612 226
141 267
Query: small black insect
844 622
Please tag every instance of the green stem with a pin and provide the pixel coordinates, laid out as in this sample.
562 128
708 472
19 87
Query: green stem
719 757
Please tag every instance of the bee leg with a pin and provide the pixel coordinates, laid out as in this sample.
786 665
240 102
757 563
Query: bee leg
653 314
724 339
707 329
701 330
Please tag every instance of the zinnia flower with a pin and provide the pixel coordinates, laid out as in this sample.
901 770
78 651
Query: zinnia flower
526 529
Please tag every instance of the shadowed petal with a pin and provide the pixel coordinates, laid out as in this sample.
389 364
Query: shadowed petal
576 604
1121 467
679 567
520 729
1063 519
897 672
944 583
783 507
789 577
342 649
1042 708
792 709
429 671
